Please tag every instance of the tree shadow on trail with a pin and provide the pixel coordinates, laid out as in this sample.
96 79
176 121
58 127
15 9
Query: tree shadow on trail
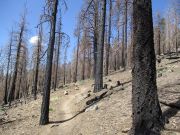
173 109
62 121
78 113
169 97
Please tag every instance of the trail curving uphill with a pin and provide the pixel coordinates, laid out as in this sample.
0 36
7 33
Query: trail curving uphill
63 118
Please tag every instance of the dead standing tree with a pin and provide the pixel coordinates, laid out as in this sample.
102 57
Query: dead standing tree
98 40
95 33
14 78
59 43
78 35
100 51
21 76
109 38
53 6
125 32
38 52
8 68
66 45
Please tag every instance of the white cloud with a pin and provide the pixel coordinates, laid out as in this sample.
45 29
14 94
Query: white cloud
33 40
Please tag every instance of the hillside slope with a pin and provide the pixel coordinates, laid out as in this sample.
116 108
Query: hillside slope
109 116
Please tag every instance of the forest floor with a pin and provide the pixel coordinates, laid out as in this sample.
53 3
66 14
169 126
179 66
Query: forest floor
69 114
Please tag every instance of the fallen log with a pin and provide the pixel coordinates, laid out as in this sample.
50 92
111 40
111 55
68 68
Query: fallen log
96 98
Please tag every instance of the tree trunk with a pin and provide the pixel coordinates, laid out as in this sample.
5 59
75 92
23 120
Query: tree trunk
64 77
176 33
100 51
95 42
14 78
83 63
169 37
77 58
89 63
159 41
64 74
44 119
58 54
125 34
123 48
147 114
7 72
37 63
109 39
19 85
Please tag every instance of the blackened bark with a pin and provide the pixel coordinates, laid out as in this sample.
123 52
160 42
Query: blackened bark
7 72
89 63
109 39
176 32
125 34
83 63
64 74
44 119
37 63
131 47
115 61
100 51
58 54
169 39
95 42
84 48
123 44
14 78
159 42
19 87
77 58
147 114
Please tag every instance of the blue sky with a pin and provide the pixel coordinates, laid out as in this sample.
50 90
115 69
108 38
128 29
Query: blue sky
10 11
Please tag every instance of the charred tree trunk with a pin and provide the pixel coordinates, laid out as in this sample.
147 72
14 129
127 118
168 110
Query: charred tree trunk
14 78
83 63
159 42
89 63
44 119
125 34
147 114
95 42
100 51
37 63
64 66
169 38
7 72
64 74
176 33
123 44
19 87
58 54
77 58
109 39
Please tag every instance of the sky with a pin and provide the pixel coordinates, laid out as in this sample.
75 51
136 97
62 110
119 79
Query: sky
11 10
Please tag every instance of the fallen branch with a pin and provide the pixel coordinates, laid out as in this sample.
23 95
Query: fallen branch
96 98
172 105
6 122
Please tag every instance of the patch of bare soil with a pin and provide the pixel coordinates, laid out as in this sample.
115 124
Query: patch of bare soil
107 114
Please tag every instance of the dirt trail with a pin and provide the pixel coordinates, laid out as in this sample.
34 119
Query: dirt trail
64 123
